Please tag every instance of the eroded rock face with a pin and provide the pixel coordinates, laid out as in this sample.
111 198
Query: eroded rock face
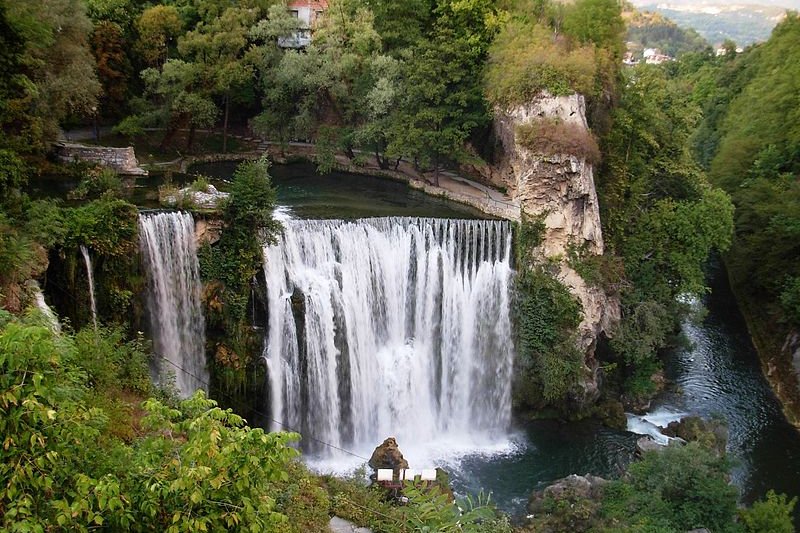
559 189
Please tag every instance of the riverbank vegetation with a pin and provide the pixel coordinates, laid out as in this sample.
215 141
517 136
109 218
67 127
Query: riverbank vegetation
407 79
748 142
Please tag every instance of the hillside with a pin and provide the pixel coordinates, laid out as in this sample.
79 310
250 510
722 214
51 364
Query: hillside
744 24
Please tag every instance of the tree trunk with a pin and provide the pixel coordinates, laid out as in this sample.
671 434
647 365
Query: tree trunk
190 139
397 163
168 135
225 124
436 171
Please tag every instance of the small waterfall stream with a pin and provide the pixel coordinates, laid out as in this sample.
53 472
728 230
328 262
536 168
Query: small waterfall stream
178 327
90 273
391 326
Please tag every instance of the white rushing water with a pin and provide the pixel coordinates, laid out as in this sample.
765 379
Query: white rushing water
90 274
391 327
176 317
46 310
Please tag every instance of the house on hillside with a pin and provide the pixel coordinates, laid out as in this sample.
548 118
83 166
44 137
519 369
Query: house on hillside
307 12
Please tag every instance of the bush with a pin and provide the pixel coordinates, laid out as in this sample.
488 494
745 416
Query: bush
526 59
553 137
684 486
98 181
773 515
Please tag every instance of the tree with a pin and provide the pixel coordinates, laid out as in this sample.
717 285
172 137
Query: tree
218 48
440 105
113 67
772 515
175 97
58 64
158 27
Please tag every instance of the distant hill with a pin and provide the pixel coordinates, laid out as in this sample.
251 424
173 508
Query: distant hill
743 23
653 30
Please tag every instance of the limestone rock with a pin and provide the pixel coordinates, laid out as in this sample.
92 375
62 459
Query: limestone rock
560 189
571 488
122 160
209 199
710 433
388 455
207 230
647 444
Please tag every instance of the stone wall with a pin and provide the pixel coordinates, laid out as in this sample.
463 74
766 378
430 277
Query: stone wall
122 160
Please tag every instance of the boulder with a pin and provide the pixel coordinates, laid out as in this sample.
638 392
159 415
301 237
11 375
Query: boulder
712 434
388 455
647 444
210 199
571 488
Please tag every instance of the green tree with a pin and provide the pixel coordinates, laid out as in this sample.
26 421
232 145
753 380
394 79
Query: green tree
677 489
57 77
113 66
771 515
441 103
158 27
218 48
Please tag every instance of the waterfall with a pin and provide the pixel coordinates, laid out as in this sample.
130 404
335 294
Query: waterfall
170 256
390 327
90 273
47 312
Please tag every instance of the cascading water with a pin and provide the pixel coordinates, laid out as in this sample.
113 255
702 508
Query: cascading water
170 256
90 273
391 326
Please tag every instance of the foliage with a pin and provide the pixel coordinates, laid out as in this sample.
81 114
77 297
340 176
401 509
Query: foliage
525 59
238 256
200 184
773 515
750 137
546 316
553 137
108 226
98 181
641 333
110 362
682 487
56 70
652 30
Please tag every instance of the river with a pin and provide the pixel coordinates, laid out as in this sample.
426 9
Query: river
718 375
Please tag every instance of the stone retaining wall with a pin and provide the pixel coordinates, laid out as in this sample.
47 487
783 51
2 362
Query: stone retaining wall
122 160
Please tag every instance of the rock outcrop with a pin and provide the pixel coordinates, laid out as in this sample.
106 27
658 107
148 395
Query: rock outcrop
122 160
570 489
209 199
558 189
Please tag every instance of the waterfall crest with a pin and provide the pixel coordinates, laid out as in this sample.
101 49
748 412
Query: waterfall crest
390 326
90 273
173 297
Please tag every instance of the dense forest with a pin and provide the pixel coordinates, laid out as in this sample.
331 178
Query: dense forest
698 156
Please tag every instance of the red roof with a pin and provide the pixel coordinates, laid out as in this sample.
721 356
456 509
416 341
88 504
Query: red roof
316 5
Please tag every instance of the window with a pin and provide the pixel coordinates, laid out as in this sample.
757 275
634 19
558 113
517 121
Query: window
295 13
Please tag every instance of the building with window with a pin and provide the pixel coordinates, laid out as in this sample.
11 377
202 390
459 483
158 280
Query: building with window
307 12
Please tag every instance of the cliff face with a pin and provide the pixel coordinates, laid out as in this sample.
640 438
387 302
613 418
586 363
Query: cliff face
559 188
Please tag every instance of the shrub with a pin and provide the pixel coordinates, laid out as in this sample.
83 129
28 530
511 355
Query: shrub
97 182
773 515
526 59
200 184
553 136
